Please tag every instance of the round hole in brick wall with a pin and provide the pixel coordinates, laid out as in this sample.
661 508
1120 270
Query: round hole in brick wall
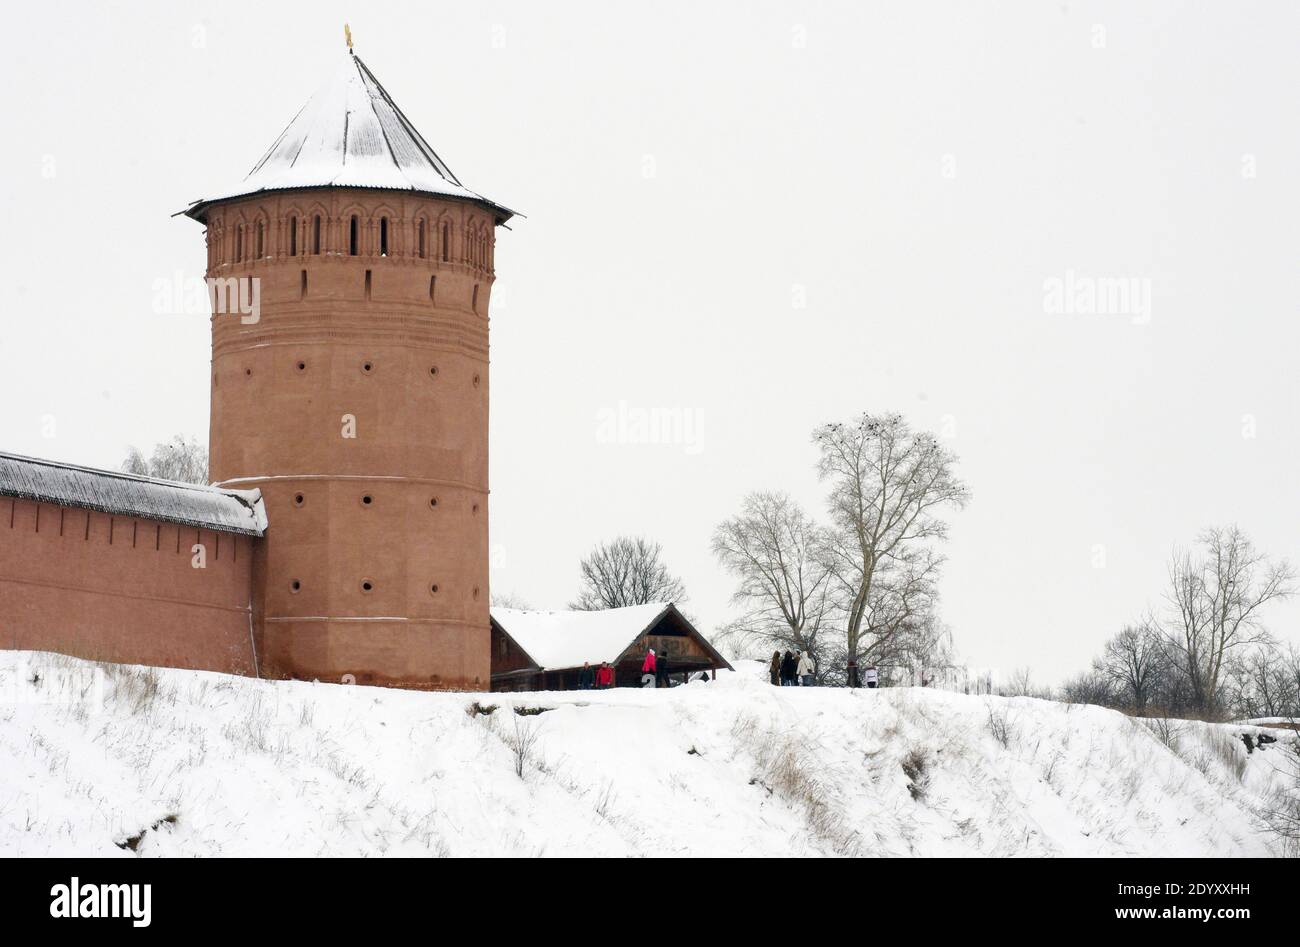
433 589
476 592
475 381
302 366
248 371
433 503
367 499
295 586
433 371
367 367
474 509
367 585
298 499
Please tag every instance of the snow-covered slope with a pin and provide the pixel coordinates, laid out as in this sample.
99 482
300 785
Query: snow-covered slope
192 763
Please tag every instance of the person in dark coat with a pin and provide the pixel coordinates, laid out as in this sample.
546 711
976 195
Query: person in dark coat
661 670
586 677
774 669
787 670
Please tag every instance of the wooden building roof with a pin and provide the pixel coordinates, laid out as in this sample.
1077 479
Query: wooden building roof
556 640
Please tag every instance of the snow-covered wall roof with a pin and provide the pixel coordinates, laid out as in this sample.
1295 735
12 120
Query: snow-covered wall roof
351 134
108 491
567 639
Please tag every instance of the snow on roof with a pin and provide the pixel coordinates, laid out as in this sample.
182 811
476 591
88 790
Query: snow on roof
108 491
351 134
567 639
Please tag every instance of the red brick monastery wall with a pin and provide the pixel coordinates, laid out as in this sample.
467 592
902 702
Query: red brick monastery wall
123 589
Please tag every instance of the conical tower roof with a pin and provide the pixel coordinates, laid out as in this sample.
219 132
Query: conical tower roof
351 134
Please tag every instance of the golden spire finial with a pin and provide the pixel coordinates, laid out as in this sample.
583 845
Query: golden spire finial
347 33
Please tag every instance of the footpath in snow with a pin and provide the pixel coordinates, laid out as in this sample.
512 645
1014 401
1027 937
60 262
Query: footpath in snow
127 761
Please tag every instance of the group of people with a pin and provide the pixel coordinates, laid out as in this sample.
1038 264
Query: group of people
796 669
793 669
595 678
654 670
654 673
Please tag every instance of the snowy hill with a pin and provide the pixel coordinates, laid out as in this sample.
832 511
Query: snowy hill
106 760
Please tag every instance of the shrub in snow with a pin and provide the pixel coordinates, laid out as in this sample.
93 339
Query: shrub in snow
913 765
523 744
1000 725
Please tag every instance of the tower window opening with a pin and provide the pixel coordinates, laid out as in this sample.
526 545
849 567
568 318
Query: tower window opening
352 236
302 286
239 243
446 241
474 299
315 235
420 239
433 284
367 284
293 236
260 241
383 236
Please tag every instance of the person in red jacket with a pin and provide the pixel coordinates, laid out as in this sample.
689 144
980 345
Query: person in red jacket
648 669
604 676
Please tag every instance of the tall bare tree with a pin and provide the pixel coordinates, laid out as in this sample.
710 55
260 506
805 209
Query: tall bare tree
888 487
775 549
1133 661
1217 597
628 570
180 458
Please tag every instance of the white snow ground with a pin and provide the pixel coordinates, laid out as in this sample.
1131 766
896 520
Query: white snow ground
92 755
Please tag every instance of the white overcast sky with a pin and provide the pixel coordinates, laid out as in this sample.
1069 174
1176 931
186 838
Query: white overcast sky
762 215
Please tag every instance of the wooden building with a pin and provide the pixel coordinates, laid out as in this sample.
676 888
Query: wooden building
537 650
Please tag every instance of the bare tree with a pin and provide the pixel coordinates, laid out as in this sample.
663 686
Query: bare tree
888 485
1133 662
1217 598
1263 683
1090 687
182 459
626 571
1021 683
775 549
926 648
510 600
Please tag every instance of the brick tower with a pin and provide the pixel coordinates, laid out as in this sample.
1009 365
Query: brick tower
357 402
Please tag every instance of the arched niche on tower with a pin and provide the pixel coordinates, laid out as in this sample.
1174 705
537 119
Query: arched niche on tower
353 219
380 215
